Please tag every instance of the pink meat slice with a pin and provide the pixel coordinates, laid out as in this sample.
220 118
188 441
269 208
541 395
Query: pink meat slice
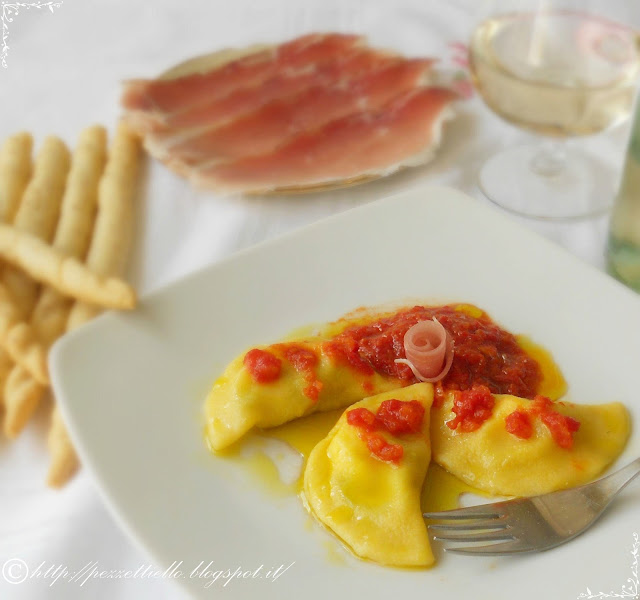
183 92
267 128
429 350
361 144
211 114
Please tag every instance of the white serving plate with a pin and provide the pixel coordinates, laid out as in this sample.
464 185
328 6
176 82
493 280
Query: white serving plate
131 387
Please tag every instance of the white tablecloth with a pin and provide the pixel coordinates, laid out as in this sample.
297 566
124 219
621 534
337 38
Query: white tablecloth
63 72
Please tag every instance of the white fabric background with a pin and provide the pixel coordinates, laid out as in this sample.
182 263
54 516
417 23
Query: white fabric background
63 74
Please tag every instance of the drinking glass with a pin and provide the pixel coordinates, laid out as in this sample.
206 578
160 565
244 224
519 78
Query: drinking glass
560 69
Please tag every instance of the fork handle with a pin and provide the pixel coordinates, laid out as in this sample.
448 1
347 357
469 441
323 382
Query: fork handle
616 481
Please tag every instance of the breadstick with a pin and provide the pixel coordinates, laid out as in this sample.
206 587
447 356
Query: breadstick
14 332
15 170
6 364
28 343
9 312
81 312
66 274
109 246
40 261
64 460
38 214
106 257
110 241
19 384
80 202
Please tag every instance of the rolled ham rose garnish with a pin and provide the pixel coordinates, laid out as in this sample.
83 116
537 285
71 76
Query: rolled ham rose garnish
429 351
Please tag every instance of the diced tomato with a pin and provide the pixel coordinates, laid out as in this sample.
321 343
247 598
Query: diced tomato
263 366
367 386
561 427
312 391
362 418
401 417
518 423
385 451
540 404
472 408
304 361
396 417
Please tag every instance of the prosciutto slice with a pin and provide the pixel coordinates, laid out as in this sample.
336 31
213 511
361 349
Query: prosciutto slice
167 128
429 351
316 110
267 128
183 92
403 132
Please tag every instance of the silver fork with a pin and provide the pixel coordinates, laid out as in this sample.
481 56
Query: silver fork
530 524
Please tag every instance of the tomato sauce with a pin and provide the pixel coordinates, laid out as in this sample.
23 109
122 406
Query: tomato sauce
399 417
396 417
382 449
560 426
263 366
304 361
518 423
472 408
484 353
362 418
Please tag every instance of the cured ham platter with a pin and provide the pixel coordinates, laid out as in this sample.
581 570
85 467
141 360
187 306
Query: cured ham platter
319 111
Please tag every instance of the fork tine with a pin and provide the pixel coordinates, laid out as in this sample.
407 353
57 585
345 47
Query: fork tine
510 547
486 536
465 525
487 511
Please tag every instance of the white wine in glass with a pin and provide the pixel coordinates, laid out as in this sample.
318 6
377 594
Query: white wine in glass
556 72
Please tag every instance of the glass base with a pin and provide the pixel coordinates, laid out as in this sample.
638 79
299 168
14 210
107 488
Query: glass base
583 187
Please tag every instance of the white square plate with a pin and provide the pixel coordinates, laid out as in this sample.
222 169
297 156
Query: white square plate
131 387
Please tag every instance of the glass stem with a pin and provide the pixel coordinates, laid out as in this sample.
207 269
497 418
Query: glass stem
550 160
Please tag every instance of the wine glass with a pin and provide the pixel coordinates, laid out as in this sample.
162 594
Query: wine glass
559 69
